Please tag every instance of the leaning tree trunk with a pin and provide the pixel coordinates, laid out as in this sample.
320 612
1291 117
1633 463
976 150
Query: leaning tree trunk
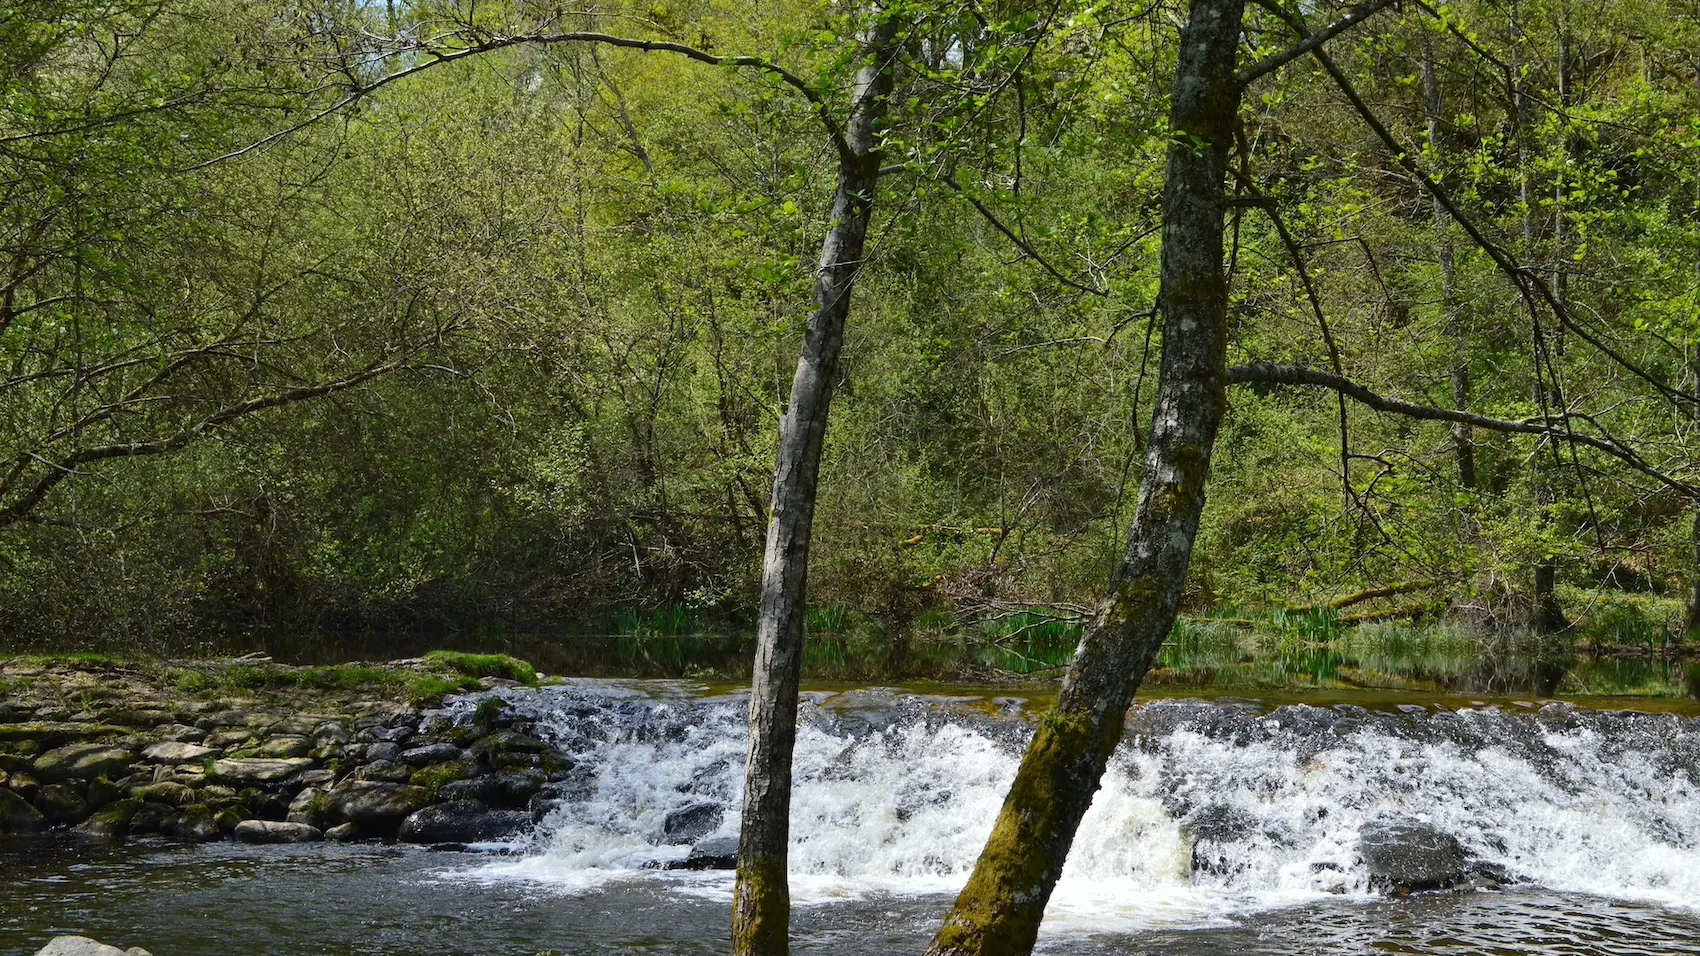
999 911
761 901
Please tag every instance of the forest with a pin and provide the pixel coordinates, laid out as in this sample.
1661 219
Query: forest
902 317
327 316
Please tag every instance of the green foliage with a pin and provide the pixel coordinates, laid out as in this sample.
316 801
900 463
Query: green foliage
484 665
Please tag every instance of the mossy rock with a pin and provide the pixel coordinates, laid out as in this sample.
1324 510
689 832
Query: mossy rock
509 742
435 777
112 822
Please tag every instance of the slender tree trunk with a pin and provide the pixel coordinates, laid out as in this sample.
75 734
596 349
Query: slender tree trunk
1691 618
999 911
1548 616
1463 437
761 903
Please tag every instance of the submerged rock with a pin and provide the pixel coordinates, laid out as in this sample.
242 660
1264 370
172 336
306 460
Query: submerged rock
1406 858
718 853
83 946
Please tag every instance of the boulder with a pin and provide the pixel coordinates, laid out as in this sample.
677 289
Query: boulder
83 946
343 832
514 790
463 821
23 784
384 771
267 831
177 751
376 808
383 752
112 822
198 825
260 769
307 807
168 793
82 760
60 804
718 853
430 754
17 817
153 818
692 823
1405 858
285 747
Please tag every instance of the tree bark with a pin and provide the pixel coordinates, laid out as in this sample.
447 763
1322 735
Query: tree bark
1000 909
761 902
1547 614
1463 437
1691 616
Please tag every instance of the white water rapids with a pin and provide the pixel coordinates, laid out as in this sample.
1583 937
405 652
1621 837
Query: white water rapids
1209 811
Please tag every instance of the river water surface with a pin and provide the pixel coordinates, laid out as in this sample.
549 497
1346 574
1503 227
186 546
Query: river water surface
1224 827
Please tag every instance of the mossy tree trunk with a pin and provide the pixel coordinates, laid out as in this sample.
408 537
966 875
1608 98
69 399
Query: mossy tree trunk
999 911
761 902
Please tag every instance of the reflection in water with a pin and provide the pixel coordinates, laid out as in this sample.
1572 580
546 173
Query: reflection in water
1199 657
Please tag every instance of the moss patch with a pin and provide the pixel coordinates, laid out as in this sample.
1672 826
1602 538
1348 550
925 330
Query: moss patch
484 665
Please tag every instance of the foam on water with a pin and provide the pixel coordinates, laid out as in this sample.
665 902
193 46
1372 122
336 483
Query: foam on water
1208 812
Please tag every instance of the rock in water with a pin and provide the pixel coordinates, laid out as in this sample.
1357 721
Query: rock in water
376 808
463 821
83 946
719 853
17 817
692 823
1408 858
271 831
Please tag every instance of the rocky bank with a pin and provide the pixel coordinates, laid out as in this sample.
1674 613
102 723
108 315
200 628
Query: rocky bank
257 752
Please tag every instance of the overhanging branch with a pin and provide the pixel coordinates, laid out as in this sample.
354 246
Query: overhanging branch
1262 373
1270 64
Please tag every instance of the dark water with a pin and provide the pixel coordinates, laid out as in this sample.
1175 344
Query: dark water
366 901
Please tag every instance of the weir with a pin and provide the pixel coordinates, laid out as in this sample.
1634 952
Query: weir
1210 811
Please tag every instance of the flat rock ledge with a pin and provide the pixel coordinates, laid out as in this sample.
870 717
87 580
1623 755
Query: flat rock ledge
149 757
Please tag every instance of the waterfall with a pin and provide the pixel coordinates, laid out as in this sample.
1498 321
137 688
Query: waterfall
1208 811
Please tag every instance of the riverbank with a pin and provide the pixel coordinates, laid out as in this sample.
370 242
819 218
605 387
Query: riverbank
267 753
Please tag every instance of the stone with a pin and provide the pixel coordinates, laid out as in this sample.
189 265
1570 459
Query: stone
17 817
476 788
182 733
103 793
462 821
515 790
270 806
330 732
386 752
377 808
509 742
690 824
175 751
718 853
1405 858
198 825
152 817
229 738
60 804
384 771
267 831
23 785
260 769
83 946
285 747
82 760
430 754
112 822
227 819
343 832
307 807
169 793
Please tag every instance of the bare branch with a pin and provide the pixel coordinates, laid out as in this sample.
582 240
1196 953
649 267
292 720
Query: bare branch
1262 373
1270 64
